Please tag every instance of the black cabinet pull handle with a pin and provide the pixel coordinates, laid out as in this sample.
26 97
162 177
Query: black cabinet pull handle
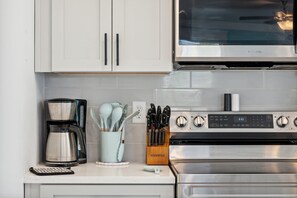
105 49
117 49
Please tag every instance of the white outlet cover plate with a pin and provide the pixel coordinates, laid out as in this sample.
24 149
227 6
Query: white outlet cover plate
141 117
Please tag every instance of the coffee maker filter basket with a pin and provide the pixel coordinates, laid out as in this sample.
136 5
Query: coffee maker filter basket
61 109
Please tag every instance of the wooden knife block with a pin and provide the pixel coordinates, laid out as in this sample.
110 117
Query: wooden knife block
158 155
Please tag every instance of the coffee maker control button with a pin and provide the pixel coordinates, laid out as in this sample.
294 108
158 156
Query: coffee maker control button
181 121
295 122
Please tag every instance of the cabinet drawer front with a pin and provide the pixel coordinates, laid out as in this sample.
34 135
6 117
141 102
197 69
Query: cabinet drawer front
104 191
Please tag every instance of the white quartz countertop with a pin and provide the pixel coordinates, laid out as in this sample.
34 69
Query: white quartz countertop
91 173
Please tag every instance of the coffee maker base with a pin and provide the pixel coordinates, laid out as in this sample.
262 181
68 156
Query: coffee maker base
61 164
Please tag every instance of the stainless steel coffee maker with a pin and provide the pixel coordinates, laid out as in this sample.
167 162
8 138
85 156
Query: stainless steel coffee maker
66 127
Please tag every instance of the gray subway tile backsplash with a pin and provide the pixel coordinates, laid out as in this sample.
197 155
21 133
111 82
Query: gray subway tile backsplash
135 133
98 96
153 81
62 92
267 99
134 152
259 90
178 97
86 80
280 80
227 79
93 152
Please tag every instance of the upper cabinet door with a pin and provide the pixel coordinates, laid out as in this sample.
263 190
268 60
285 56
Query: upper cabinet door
142 35
81 35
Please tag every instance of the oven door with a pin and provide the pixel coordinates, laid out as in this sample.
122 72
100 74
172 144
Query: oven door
235 178
232 30
233 146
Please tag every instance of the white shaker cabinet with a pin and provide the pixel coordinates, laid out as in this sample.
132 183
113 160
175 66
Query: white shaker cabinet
99 191
104 36
80 31
143 29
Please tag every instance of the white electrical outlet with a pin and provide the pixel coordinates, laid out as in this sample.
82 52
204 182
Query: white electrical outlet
141 107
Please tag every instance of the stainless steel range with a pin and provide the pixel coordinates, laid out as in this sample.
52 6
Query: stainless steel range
234 154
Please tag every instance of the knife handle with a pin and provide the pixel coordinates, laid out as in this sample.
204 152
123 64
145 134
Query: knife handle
162 136
156 137
153 107
149 137
152 137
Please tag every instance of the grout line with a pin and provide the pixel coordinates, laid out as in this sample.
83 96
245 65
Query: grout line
263 80
191 77
155 96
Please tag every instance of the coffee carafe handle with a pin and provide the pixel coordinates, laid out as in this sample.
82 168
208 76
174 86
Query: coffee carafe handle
81 113
81 143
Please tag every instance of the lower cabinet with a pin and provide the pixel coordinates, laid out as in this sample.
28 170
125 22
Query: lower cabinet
98 191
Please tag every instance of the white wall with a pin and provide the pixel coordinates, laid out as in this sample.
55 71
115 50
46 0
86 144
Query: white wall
20 93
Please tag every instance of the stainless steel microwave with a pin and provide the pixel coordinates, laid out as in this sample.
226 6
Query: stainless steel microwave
235 30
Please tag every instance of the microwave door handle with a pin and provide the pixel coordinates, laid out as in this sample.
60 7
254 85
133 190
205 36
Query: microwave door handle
294 26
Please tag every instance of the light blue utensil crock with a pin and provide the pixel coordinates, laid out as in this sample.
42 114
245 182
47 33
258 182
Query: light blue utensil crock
110 147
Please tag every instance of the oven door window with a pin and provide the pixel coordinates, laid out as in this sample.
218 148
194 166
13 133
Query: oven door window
235 22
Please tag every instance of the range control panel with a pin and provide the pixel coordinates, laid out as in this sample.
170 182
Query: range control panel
195 121
240 121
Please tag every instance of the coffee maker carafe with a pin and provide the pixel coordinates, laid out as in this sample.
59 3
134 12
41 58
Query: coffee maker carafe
66 127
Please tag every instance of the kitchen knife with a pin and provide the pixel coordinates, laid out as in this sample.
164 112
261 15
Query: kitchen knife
149 112
149 127
153 107
162 132
165 113
168 115
159 125
163 120
159 111
157 128
163 129
165 110
149 130
153 117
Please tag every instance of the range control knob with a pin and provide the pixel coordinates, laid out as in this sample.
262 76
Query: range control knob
198 121
181 121
295 122
282 121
